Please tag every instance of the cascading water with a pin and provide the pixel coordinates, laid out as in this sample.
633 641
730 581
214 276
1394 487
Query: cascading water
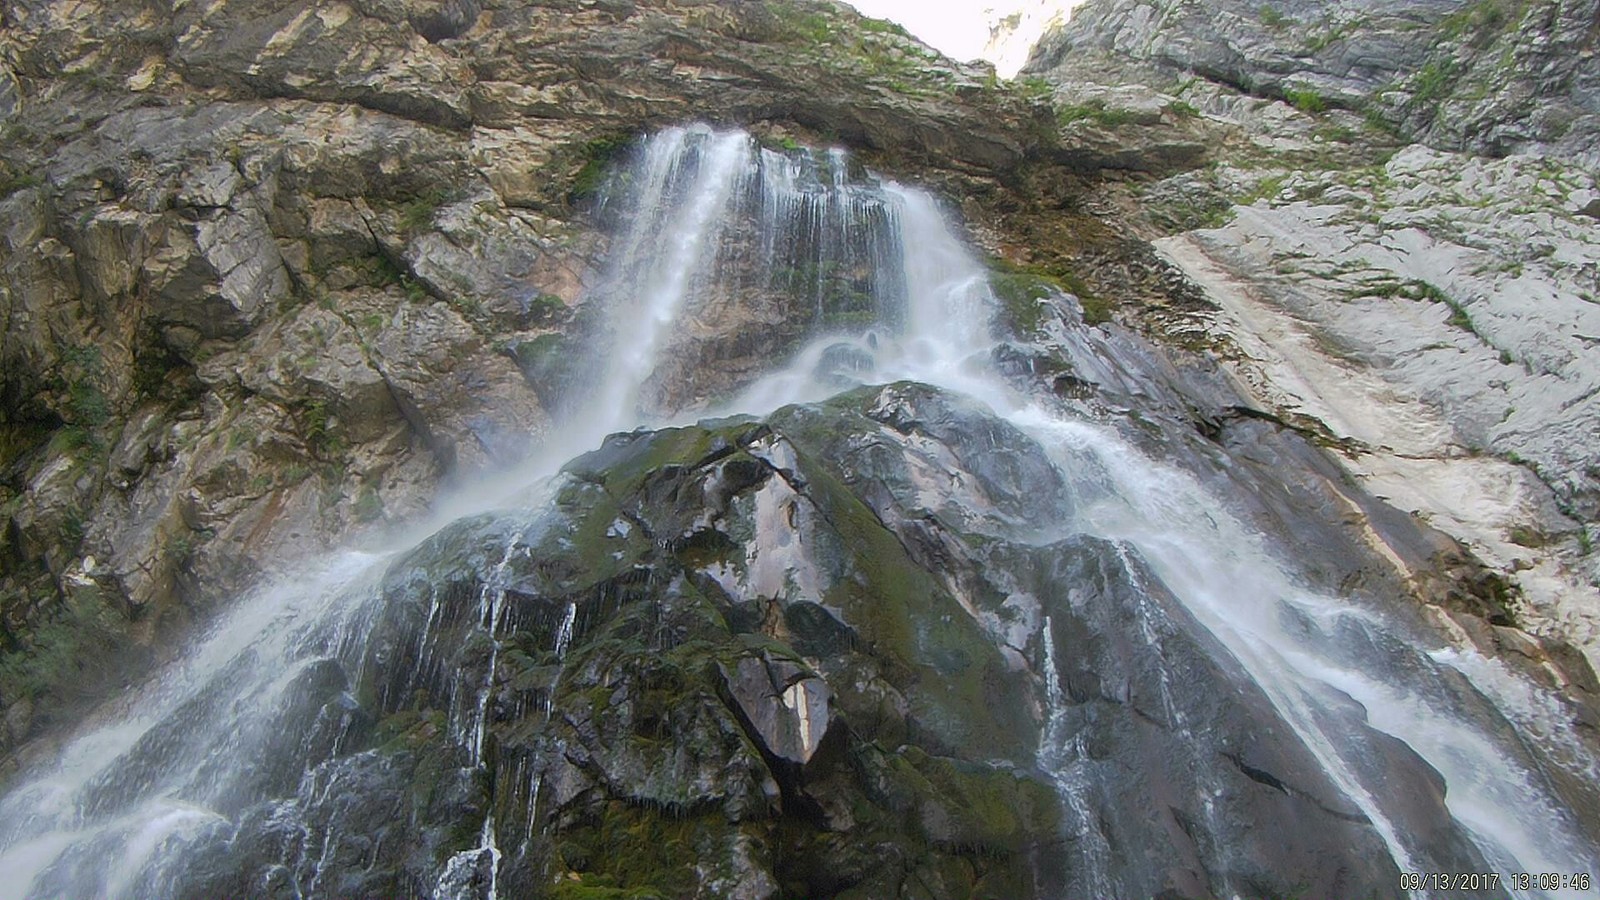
266 726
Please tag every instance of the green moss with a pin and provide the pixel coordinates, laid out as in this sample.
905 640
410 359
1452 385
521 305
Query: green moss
418 213
801 25
635 852
850 320
990 810
1416 289
12 183
410 729
543 307
1268 188
1481 22
1305 100
83 370
1273 19
879 52
1334 34
1375 122
543 362
782 144
1035 88
1532 538
589 889
597 155
368 506
1096 310
1183 109
1095 111
880 26
67 656
949 670
1023 290
1022 297
623 468
1433 82
417 292
379 270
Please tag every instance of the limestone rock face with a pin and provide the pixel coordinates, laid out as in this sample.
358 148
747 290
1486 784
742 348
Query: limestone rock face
274 273
1478 75
1390 245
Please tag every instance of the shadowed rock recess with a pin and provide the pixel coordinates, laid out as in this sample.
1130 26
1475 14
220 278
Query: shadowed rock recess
777 461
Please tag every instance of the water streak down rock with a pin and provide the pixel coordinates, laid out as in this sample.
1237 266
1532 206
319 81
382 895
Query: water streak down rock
894 640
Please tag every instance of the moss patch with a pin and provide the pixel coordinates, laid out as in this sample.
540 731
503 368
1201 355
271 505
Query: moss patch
1025 290
1095 112
67 658
596 156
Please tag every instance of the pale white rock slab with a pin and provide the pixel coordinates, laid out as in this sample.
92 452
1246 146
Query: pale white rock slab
1442 316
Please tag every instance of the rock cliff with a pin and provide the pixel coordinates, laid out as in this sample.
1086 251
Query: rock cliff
1487 76
274 271
1396 225
277 275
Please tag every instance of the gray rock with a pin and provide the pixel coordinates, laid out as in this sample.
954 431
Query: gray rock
785 705
218 276
470 407
1451 299
1484 77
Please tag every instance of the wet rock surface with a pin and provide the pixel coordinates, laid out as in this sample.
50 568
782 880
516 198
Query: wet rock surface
662 717
273 274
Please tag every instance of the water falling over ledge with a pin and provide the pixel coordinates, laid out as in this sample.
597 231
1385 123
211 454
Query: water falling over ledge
1090 610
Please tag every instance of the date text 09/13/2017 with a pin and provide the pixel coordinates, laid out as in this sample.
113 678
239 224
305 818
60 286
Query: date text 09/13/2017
1490 881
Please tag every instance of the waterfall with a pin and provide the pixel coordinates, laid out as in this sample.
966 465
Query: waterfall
1494 788
254 722
660 275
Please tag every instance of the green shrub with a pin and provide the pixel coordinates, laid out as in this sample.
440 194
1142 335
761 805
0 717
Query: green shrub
597 155
1183 110
64 657
1481 21
1094 111
1035 88
417 214
1433 82
10 184
1273 19
1307 101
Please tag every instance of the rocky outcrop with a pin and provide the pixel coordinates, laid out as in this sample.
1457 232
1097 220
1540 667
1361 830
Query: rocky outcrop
1429 312
744 658
1420 307
272 273
1488 76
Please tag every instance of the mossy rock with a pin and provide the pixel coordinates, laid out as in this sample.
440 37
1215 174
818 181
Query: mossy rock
544 361
1024 299
1027 293
981 808
664 775
637 852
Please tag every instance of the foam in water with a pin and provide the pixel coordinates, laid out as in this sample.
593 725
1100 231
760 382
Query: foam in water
127 801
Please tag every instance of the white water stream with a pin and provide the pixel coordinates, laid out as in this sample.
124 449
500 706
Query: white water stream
175 762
